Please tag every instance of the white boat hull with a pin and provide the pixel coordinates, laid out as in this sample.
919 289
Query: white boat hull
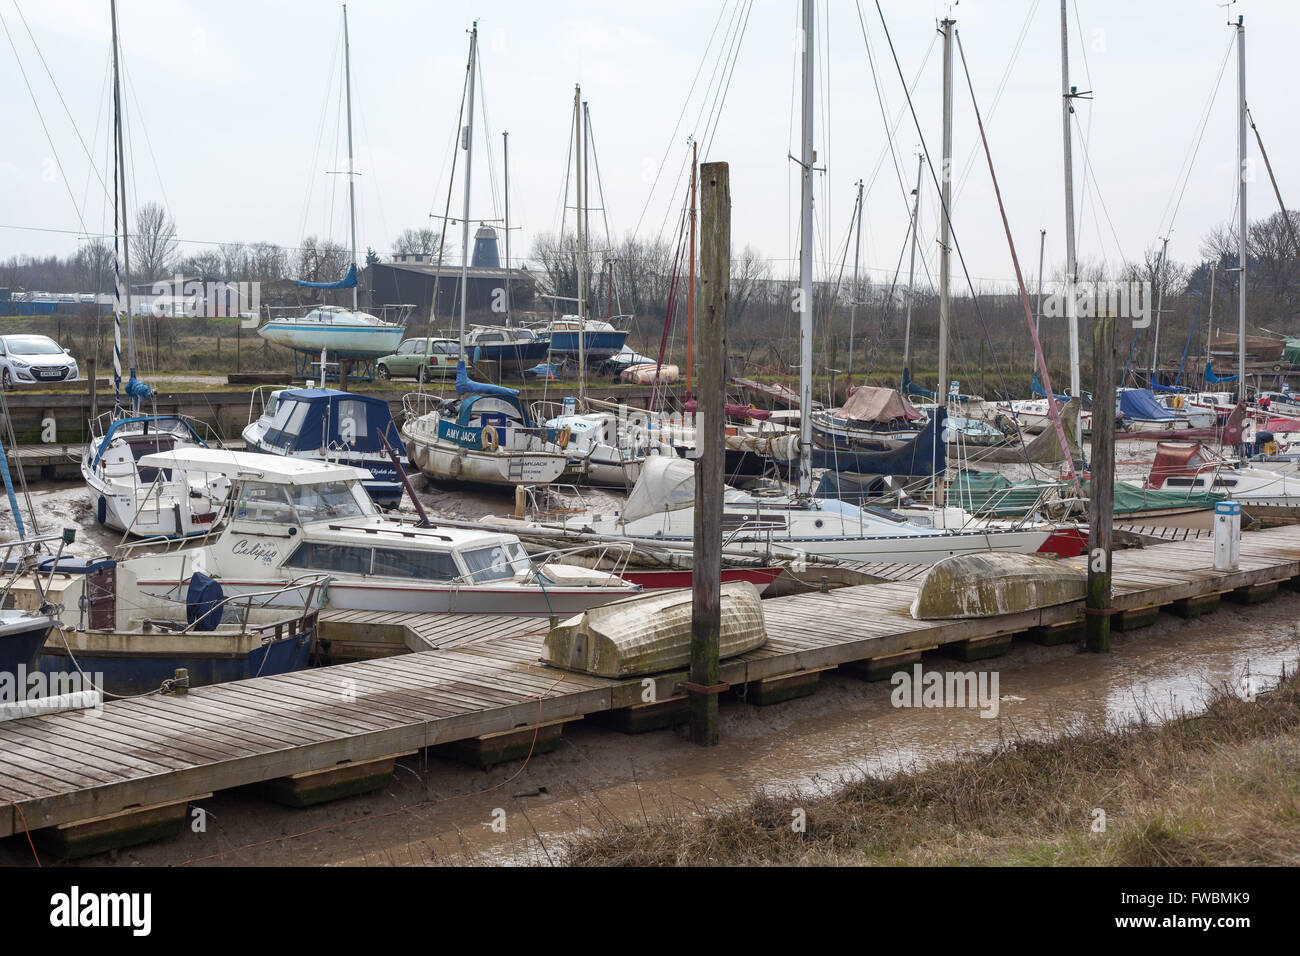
347 341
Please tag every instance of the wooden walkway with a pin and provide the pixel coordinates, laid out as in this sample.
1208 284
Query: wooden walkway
73 767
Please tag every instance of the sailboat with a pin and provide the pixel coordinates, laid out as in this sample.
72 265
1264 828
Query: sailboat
22 632
124 496
485 435
346 333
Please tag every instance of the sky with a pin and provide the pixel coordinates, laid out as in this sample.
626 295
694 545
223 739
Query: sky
235 120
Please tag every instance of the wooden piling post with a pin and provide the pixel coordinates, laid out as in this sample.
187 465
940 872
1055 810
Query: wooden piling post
1101 507
710 348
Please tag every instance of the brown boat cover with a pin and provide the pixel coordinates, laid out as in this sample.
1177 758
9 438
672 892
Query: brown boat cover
869 403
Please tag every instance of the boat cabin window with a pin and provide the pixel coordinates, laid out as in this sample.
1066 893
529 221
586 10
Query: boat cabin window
496 563
264 501
352 420
339 558
419 565
1184 482
487 337
326 501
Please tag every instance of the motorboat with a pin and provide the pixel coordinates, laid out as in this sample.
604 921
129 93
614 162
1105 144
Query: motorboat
600 339
324 424
513 348
289 517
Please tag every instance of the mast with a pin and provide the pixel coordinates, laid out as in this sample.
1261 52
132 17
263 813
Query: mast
467 144
853 304
120 161
1160 298
806 161
352 182
582 249
1071 262
690 286
1241 207
945 185
1042 247
911 268
505 149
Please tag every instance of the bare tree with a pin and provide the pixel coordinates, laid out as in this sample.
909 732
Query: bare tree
153 247
94 265
413 242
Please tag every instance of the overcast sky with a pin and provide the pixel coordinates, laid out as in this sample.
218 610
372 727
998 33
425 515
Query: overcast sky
235 111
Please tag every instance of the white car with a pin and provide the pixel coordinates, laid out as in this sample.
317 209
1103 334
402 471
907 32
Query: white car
34 359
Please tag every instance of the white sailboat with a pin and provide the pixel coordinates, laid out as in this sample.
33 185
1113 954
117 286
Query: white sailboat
485 435
123 495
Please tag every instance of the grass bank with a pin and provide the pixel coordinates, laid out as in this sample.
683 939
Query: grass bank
1218 788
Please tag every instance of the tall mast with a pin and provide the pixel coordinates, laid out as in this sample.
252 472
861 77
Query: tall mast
1042 248
945 186
1241 208
120 161
352 182
467 144
690 286
1160 298
505 150
1071 262
911 268
806 161
582 249
853 304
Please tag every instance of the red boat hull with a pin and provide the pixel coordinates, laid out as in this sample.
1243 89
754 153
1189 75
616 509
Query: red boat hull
654 580
1068 543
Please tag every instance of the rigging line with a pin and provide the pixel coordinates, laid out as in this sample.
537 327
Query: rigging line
59 93
888 304
1024 295
1277 192
313 167
41 116
94 168
889 132
952 230
493 183
711 92
997 95
676 126
130 85
1194 148
727 87
1091 174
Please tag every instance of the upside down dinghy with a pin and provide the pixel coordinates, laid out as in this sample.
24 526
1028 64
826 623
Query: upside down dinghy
652 633
990 583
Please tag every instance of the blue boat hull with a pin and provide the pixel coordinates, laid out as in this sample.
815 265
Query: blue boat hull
125 673
511 357
18 650
598 345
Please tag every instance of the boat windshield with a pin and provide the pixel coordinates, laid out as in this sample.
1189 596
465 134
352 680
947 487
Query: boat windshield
496 563
328 500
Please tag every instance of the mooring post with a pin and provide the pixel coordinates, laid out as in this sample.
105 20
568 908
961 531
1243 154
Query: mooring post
1101 508
710 350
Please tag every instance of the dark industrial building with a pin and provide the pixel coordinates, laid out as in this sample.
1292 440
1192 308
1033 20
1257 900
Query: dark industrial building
410 279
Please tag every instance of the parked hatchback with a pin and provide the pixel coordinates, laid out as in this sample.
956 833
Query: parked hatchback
409 361
28 359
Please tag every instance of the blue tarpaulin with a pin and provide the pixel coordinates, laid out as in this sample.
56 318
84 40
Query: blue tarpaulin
1141 404
1211 377
313 419
464 386
347 282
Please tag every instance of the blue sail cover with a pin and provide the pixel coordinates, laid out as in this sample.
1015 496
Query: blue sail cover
347 282
1211 377
464 386
923 456
1157 387
138 390
1140 403
312 419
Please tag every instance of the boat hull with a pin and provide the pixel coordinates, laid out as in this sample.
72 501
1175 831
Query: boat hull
443 461
596 345
511 357
361 341
21 639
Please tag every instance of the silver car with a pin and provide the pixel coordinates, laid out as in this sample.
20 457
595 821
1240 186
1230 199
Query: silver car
34 359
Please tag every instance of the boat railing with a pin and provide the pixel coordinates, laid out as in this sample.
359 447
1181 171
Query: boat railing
257 395
308 585
549 501
415 405
30 561
622 551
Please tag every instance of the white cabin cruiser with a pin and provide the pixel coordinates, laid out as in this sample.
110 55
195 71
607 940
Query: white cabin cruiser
289 517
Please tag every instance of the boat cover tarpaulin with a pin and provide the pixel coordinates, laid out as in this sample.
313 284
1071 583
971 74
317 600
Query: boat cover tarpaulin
1182 459
665 484
312 419
921 457
1045 449
1133 499
1229 434
869 403
1141 403
464 385
347 282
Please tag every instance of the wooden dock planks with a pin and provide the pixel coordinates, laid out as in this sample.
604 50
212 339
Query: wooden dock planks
485 677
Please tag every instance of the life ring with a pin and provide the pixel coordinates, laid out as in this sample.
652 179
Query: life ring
565 434
1277 368
490 440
